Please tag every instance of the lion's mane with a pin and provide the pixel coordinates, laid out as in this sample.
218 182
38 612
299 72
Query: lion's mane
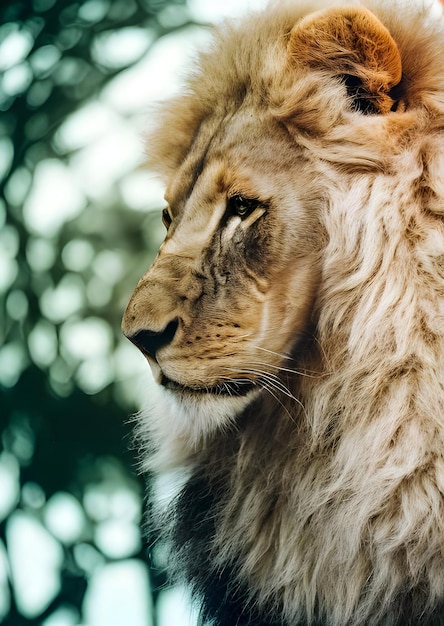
325 504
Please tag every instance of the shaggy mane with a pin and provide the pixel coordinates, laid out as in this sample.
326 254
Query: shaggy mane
325 504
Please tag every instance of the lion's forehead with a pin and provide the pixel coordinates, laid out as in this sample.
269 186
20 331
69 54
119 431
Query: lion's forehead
231 152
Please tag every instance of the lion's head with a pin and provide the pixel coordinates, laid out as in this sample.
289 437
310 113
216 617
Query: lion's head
280 119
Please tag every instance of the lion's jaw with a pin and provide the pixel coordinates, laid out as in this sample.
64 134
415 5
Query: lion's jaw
228 294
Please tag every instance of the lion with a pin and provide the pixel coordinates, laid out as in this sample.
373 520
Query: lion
293 319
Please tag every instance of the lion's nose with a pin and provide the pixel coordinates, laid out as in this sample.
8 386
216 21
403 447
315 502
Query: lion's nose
150 341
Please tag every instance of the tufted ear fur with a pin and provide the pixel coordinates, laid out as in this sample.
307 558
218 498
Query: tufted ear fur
351 43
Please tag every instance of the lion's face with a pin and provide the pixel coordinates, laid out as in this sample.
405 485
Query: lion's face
232 285
252 154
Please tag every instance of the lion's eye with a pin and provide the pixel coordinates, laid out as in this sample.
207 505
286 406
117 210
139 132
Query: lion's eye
241 206
166 218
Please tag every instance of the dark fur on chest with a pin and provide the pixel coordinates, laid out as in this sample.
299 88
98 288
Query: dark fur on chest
222 600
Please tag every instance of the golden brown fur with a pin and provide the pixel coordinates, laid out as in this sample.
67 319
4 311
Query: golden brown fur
299 336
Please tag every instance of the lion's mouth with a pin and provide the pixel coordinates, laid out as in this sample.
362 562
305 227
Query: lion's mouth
233 388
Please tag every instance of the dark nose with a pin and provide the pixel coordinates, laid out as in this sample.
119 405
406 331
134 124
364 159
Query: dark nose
149 341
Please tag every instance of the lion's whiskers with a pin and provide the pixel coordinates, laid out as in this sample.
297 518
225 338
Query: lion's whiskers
269 382
288 359
289 370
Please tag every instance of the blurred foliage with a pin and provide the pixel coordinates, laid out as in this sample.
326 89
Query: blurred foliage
82 265
74 239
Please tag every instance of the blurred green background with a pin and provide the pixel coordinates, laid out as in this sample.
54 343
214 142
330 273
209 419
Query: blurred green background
79 224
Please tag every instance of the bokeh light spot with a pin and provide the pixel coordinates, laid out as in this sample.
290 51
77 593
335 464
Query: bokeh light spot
36 559
8 270
64 517
15 45
109 266
43 343
113 496
98 293
18 185
60 302
44 59
70 71
117 539
63 616
122 47
173 16
86 338
154 77
6 155
33 496
174 607
18 438
17 305
9 241
118 595
122 9
94 374
17 79
9 483
60 376
217 11
84 126
39 93
53 200
13 360
142 191
104 161
126 505
93 10
40 253
88 558
77 255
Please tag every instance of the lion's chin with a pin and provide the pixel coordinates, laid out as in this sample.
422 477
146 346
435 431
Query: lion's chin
176 420
232 388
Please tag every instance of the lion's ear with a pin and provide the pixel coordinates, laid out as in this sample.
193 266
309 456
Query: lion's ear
351 42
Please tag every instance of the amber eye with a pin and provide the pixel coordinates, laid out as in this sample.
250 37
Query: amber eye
241 206
166 218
